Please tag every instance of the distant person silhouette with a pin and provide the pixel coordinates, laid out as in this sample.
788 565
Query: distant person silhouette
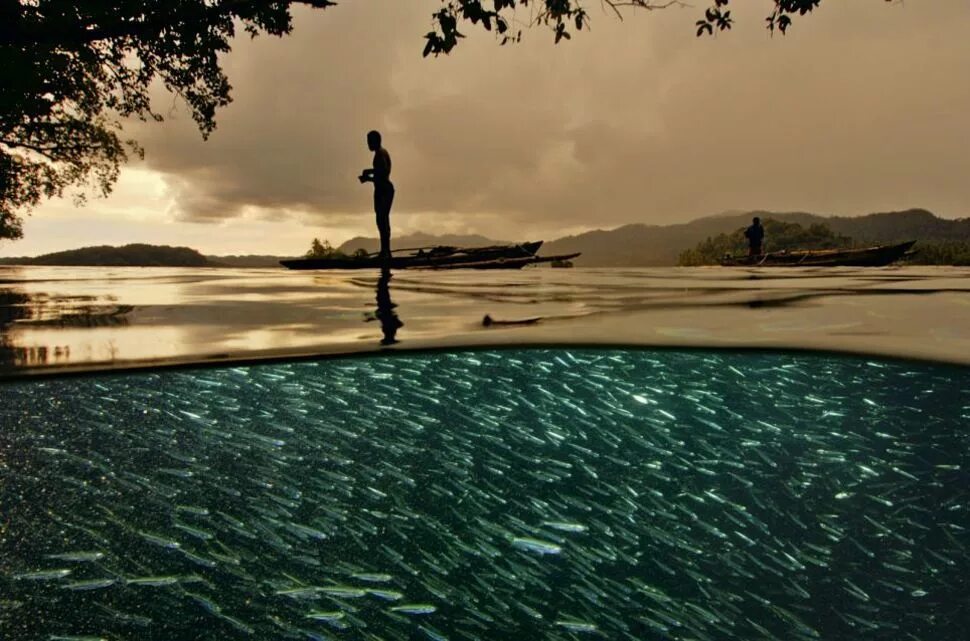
755 235
380 175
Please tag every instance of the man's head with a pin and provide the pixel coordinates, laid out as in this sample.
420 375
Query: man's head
373 140
755 220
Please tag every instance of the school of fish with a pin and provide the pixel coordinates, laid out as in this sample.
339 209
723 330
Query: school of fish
515 494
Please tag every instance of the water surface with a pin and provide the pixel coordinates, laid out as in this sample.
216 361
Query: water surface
69 318
515 494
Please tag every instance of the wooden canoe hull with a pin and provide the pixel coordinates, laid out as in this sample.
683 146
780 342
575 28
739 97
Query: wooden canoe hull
505 263
878 256
436 257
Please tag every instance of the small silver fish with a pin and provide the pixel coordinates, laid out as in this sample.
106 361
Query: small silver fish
564 526
343 591
80 557
536 546
325 616
576 626
414 608
372 577
42 575
90 584
153 581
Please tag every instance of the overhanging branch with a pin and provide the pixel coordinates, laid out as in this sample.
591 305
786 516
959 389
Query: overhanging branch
17 33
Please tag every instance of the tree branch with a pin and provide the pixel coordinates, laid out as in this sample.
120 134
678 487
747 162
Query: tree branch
641 4
49 151
43 33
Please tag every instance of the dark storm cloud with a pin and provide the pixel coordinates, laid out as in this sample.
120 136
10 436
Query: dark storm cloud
294 136
634 121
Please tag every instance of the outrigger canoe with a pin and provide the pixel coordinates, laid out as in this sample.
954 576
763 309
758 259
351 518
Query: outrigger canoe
504 263
427 257
878 256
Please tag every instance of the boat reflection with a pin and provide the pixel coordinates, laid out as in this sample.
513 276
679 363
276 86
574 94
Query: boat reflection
20 310
17 306
12 308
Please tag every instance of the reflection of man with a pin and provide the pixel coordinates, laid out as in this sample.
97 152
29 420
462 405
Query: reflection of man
385 309
380 175
755 235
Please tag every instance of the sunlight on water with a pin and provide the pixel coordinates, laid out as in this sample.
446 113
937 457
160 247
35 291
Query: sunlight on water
522 494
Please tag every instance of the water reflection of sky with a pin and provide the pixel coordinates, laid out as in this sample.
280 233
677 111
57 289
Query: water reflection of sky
53 317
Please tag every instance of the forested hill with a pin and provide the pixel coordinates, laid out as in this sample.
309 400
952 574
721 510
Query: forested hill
419 239
653 245
137 255
885 227
628 246
247 260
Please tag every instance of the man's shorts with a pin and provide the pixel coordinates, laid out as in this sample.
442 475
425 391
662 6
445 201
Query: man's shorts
383 199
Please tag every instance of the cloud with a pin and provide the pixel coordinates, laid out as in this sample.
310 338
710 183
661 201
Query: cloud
294 136
859 108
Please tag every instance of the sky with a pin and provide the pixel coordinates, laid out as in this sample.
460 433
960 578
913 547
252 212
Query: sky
862 107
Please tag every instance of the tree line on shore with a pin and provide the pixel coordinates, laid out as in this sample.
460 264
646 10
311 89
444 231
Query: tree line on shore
786 236
939 242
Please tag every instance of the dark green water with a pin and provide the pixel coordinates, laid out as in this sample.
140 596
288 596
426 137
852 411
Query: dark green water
542 494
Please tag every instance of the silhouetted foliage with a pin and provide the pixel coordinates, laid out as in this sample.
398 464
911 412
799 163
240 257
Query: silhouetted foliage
941 253
319 250
246 260
326 250
134 255
898 226
71 69
779 236
718 17
508 17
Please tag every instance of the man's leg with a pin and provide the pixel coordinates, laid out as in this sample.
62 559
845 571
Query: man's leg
384 231
382 207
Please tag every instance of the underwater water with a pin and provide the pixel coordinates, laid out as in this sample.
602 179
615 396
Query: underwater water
503 494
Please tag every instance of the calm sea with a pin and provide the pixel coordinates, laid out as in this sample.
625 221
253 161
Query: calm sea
58 318
690 454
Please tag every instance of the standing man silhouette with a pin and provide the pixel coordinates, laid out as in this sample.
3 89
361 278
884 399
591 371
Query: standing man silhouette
755 235
380 175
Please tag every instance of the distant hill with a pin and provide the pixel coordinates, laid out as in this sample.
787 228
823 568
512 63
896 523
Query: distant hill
640 245
142 255
882 227
627 246
652 245
785 236
419 239
247 260
137 255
